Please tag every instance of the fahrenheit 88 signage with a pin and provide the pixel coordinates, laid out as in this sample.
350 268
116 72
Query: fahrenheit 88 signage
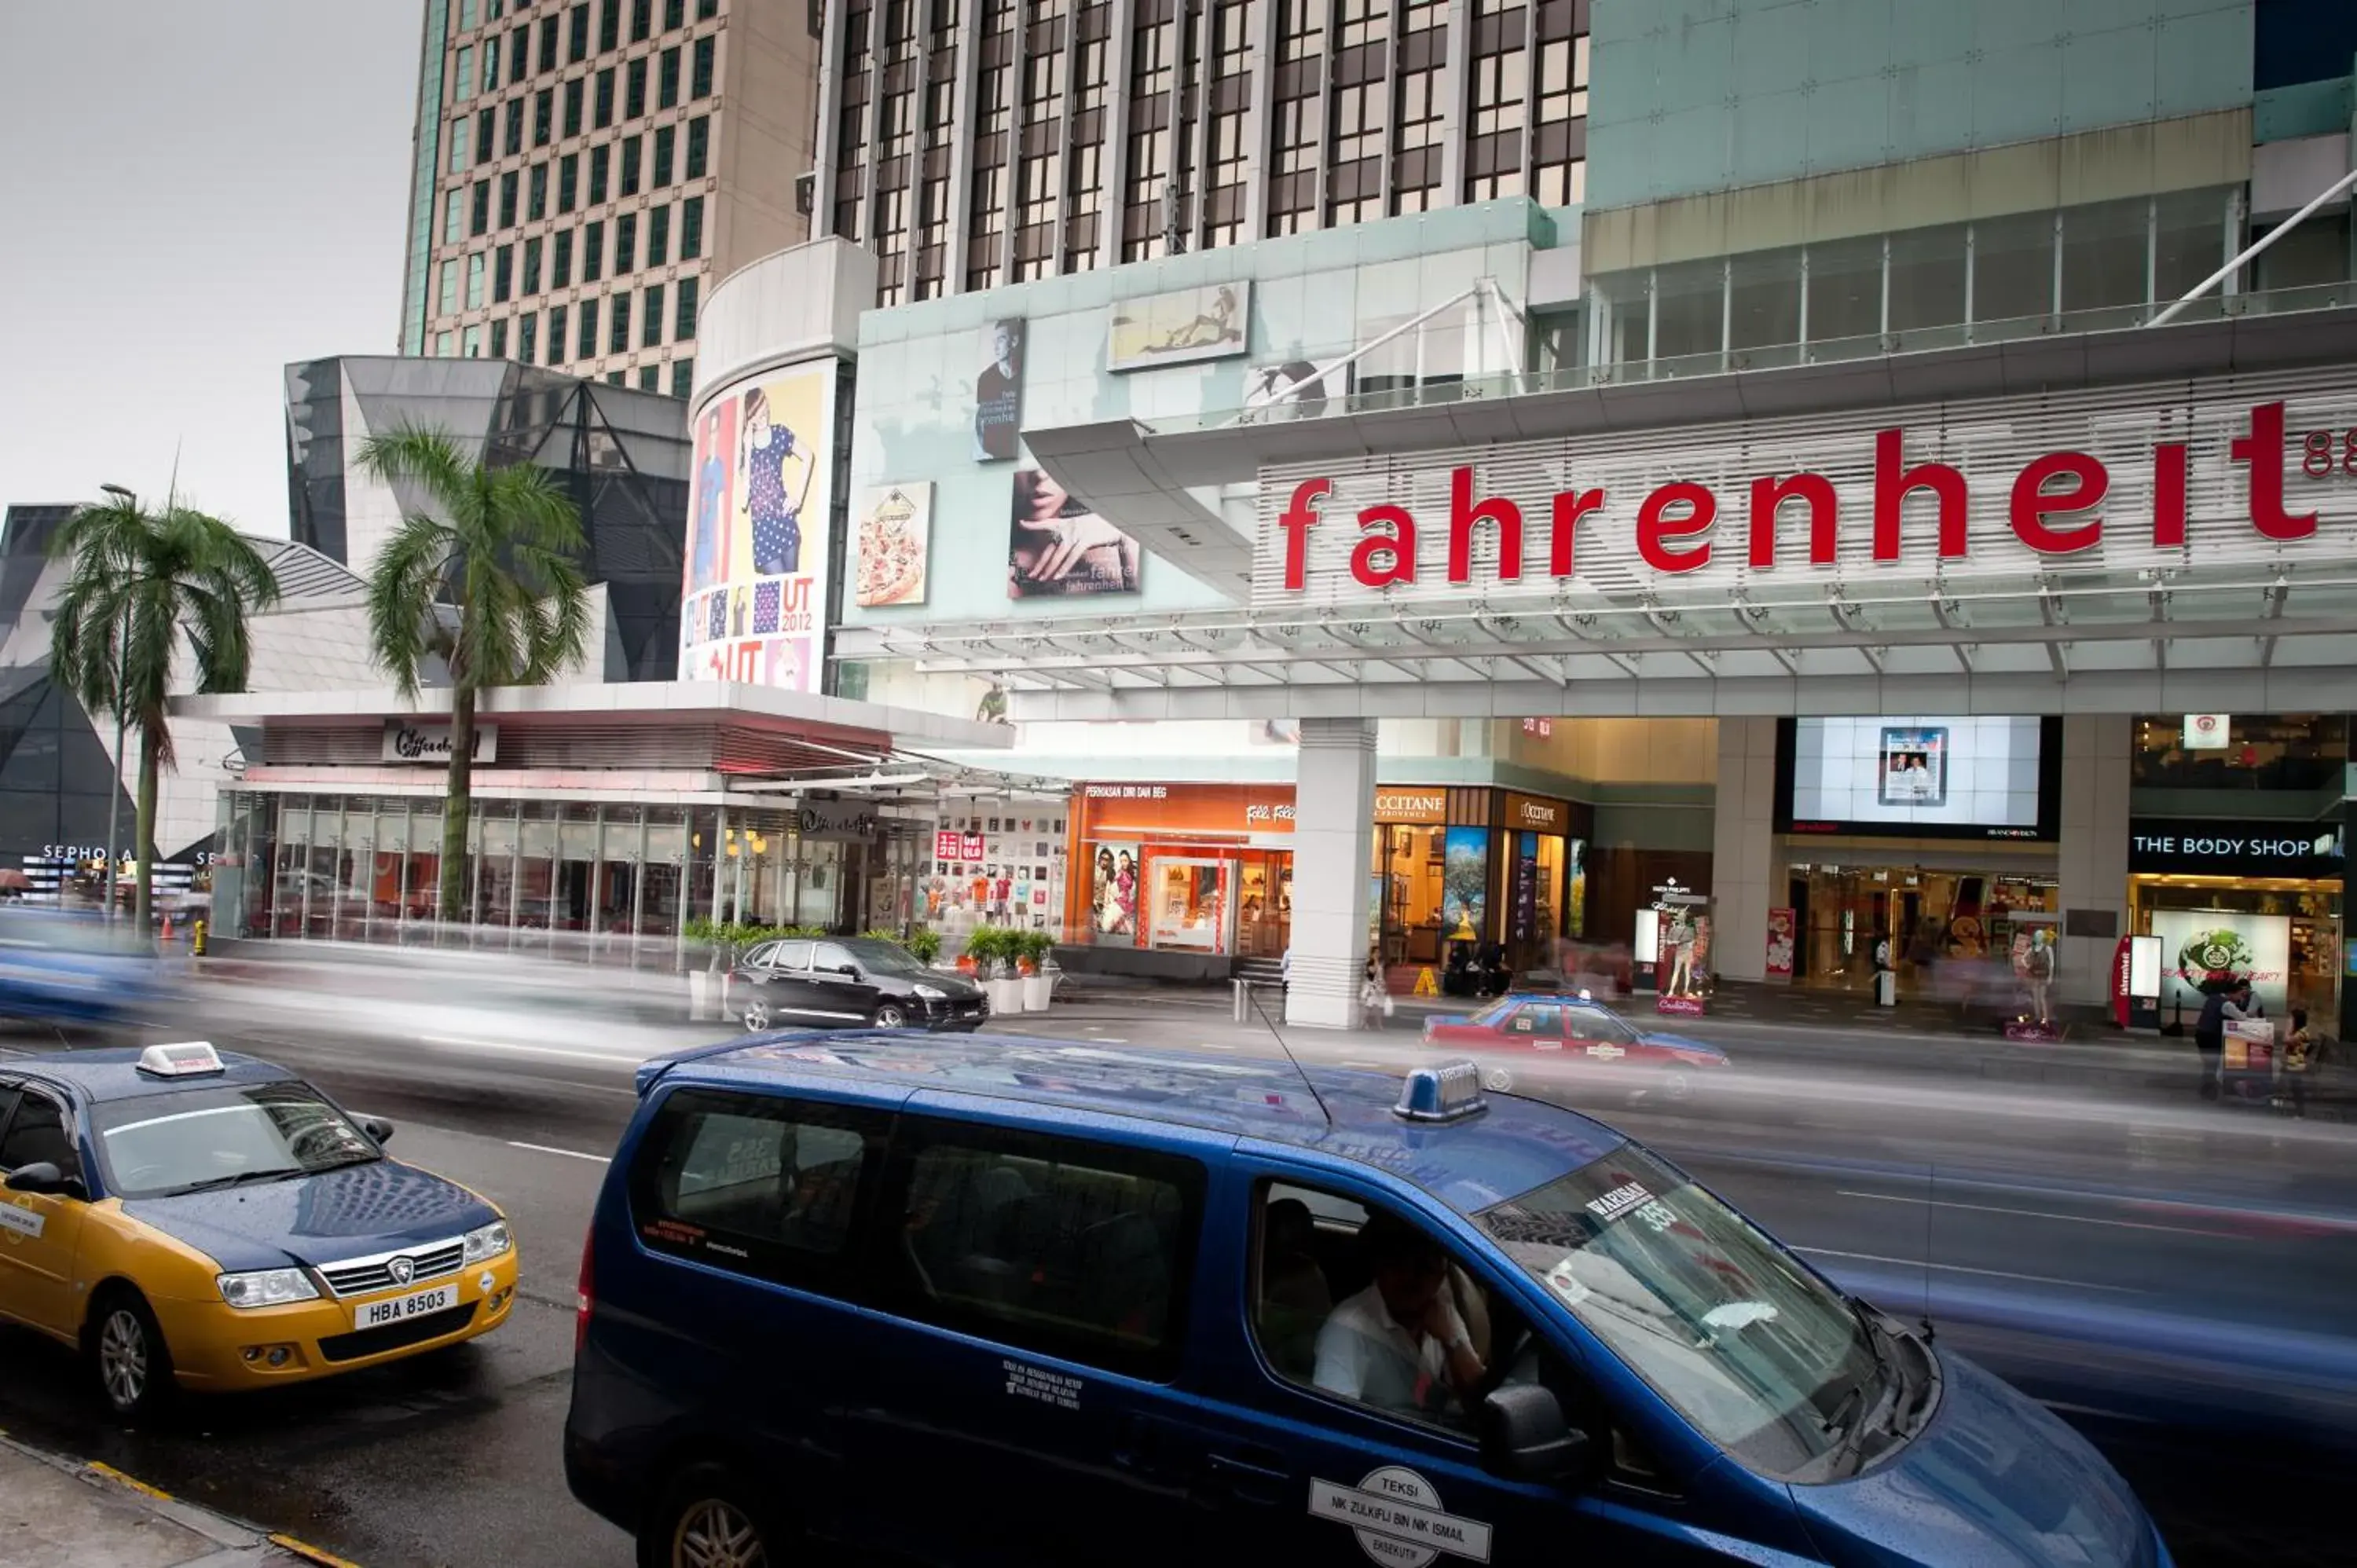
754 603
2254 468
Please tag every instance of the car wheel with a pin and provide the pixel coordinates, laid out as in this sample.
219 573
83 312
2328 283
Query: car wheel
1678 1085
708 1518
757 1016
128 1357
891 1016
1498 1079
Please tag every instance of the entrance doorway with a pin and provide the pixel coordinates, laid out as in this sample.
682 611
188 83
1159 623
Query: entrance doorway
1950 931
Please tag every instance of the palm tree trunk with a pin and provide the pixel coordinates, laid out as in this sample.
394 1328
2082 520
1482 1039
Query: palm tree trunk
456 810
144 842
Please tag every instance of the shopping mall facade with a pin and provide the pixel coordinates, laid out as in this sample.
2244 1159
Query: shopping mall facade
1816 523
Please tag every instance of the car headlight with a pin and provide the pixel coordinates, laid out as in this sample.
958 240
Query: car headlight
267 1288
930 993
489 1241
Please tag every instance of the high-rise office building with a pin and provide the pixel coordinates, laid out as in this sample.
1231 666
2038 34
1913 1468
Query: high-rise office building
975 142
584 172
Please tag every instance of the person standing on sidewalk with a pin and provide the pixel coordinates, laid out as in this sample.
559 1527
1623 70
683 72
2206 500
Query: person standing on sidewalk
2218 1009
1374 1002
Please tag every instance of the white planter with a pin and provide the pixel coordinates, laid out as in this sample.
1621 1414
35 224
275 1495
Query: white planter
699 995
1005 996
1035 988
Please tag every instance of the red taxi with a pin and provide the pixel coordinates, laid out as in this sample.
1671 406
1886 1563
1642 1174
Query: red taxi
1574 1030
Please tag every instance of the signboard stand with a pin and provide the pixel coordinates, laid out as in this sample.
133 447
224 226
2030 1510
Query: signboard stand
1674 949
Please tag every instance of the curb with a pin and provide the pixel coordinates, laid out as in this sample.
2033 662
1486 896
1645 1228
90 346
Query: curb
239 1542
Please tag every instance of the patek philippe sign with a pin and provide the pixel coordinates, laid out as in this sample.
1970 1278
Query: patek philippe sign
2165 845
431 743
2224 471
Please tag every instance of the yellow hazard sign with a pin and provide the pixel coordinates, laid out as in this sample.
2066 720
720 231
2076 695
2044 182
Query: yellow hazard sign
1426 985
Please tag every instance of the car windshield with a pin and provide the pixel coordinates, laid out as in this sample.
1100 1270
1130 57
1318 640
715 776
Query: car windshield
885 958
158 1145
1762 1356
1496 1012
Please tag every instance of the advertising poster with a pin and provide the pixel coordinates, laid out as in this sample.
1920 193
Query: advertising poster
2207 949
1783 926
1575 909
755 606
1465 884
1526 886
998 393
1914 766
2208 732
1113 874
1056 547
1179 327
894 525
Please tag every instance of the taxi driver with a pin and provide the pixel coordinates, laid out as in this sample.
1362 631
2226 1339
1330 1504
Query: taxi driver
1399 1345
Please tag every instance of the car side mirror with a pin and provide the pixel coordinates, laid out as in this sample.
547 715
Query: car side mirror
377 1128
41 1177
1525 1437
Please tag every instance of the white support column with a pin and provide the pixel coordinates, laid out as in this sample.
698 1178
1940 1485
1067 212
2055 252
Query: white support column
1333 849
2092 858
1743 848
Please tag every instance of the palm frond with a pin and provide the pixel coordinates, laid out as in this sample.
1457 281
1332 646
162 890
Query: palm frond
402 590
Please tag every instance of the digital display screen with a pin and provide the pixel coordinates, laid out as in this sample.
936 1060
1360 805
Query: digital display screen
1920 776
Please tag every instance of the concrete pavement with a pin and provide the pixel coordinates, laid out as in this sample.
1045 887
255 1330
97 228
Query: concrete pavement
63 1513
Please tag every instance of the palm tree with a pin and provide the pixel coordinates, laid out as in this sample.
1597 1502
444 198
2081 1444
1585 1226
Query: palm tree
139 582
491 585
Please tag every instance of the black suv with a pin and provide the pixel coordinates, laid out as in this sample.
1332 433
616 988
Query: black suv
801 982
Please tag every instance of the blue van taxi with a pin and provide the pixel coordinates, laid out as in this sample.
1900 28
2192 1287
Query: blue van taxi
1013 1302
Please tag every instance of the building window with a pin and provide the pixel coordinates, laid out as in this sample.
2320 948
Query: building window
699 145
652 319
510 188
502 275
556 335
471 341
528 337
544 117
609 27
480 208
658 236
706 9
982 245
626 243
535 201
601 162
700 85
447 296
442 341
499 339
642 19
560 260
593 252
631 149
532 266
683 321
576 40
585 345
548 44
491 65
568 182
666 141
475 281
667 79
572 106
634 88
674 14
519 54
463 86
618 336
468 15
453 215
683 377
691 229
602 115
459 129
511 127
649 378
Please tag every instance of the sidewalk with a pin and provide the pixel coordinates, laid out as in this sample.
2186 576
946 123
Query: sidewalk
61 1513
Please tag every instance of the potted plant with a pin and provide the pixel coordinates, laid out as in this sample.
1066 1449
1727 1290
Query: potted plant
1038 978
924 944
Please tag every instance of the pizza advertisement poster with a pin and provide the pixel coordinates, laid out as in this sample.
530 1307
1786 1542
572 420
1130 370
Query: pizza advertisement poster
894 525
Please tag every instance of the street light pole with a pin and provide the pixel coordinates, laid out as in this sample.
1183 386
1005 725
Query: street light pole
114 795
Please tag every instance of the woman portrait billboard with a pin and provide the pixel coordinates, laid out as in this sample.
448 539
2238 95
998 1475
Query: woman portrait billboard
1057 547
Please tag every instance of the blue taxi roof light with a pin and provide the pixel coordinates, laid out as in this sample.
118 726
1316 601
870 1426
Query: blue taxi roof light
1449 1092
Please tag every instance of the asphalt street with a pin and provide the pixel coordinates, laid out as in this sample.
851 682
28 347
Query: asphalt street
2172 1276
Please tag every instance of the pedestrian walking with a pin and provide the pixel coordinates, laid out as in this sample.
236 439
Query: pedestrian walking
1374 1000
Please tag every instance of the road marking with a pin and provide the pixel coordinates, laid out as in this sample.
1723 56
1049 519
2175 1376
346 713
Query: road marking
1960 1269
310 1554
1107 1039
1362 1064
2034 1213
137 1485
569 1153
1215 1045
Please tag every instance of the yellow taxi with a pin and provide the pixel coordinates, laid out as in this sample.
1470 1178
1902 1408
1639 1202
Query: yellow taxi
188 1219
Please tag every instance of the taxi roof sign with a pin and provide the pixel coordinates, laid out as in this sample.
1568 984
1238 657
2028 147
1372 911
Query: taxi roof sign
1449 1092
186 1059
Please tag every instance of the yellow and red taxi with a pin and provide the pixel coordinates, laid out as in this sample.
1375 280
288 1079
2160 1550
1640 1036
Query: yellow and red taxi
194 1219
1575 1032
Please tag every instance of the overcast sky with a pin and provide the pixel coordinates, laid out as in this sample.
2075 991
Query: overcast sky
194 193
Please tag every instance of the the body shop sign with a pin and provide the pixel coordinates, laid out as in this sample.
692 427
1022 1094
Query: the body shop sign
2251 469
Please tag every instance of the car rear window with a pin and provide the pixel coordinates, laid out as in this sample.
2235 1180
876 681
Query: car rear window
754 1183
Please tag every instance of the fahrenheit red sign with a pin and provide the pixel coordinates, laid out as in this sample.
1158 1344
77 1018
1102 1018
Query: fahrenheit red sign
2051 509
